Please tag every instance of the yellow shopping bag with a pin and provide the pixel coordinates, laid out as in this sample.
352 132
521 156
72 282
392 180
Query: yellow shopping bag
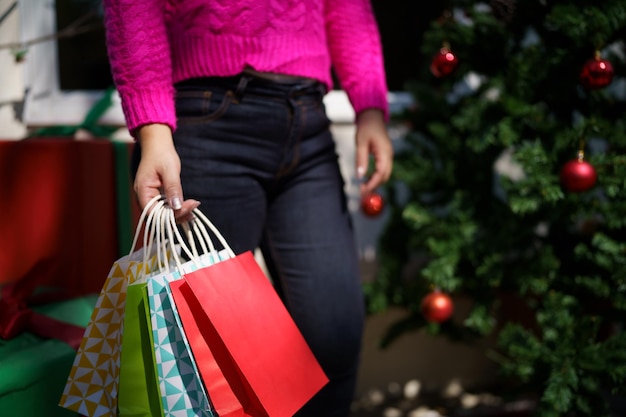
92 386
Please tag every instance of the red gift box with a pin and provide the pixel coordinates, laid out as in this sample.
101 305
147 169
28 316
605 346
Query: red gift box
58 212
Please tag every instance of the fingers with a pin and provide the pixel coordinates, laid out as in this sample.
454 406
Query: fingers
183 209
158 166
150 184
372 140
381 174
185 213
159 171
362 159
146 186
170 177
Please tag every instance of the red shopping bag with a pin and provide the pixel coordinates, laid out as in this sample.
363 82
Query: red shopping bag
223 399
253 340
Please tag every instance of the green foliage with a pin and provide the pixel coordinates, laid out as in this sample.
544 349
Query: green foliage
477 208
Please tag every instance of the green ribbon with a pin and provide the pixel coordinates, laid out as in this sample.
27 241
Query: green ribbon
89 123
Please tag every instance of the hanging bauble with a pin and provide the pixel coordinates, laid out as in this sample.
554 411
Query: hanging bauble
444 62
596 73
437 307
372 204
578 175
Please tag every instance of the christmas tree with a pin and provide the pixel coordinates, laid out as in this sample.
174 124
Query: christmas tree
510 189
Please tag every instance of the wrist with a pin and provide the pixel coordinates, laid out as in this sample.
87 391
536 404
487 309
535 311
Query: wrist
370 115
154 135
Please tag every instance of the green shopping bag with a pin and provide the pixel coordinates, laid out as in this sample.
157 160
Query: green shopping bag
139 394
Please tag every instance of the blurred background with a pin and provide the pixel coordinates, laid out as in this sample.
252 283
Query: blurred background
494 262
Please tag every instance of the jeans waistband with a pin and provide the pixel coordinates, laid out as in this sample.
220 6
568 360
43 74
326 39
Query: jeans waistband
278 78
260 83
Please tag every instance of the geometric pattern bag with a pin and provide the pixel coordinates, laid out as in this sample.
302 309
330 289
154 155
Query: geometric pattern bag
92 385
182 391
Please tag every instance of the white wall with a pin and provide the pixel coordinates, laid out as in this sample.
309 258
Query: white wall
11 76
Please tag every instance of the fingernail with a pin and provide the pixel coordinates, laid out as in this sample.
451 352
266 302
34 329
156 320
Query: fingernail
176 203
195 205
360 171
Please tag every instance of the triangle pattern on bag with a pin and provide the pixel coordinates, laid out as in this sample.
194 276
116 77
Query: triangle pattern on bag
182 392
91 387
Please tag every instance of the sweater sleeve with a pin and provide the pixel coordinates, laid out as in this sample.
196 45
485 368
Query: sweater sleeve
356 53
139 54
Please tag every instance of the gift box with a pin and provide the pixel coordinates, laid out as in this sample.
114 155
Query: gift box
33 371
62 209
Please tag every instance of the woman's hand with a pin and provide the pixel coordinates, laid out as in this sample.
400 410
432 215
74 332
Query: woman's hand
159 171
372 138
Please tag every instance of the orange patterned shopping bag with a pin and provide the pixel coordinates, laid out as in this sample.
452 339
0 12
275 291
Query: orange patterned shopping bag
92 386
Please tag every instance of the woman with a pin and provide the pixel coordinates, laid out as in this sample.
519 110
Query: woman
225 98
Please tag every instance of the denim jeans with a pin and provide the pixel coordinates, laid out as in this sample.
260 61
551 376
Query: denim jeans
260 158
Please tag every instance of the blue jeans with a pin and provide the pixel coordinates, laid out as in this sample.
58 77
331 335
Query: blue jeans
260 158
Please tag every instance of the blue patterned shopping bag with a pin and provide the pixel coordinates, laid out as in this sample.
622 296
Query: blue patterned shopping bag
182 391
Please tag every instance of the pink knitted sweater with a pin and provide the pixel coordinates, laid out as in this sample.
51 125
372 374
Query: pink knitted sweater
155 43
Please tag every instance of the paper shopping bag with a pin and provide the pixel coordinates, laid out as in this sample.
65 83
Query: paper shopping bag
181 388
224 400
256 344
92 386
182 391
138 387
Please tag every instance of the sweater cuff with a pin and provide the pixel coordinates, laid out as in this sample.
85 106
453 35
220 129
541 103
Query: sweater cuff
148 107
364 99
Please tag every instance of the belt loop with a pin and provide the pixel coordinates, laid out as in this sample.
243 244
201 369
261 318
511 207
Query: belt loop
243 83
321 89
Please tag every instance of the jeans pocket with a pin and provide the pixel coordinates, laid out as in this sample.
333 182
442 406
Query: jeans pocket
316 110
197 106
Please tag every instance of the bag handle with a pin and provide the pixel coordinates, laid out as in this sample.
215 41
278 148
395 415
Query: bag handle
161 229
205 221
194 231
196 228
164 229
168 224
142 218
150 221
160 237
150 236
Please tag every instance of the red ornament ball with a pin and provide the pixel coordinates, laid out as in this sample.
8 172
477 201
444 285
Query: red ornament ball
596 73
437 307
372 204
578 176
444 63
